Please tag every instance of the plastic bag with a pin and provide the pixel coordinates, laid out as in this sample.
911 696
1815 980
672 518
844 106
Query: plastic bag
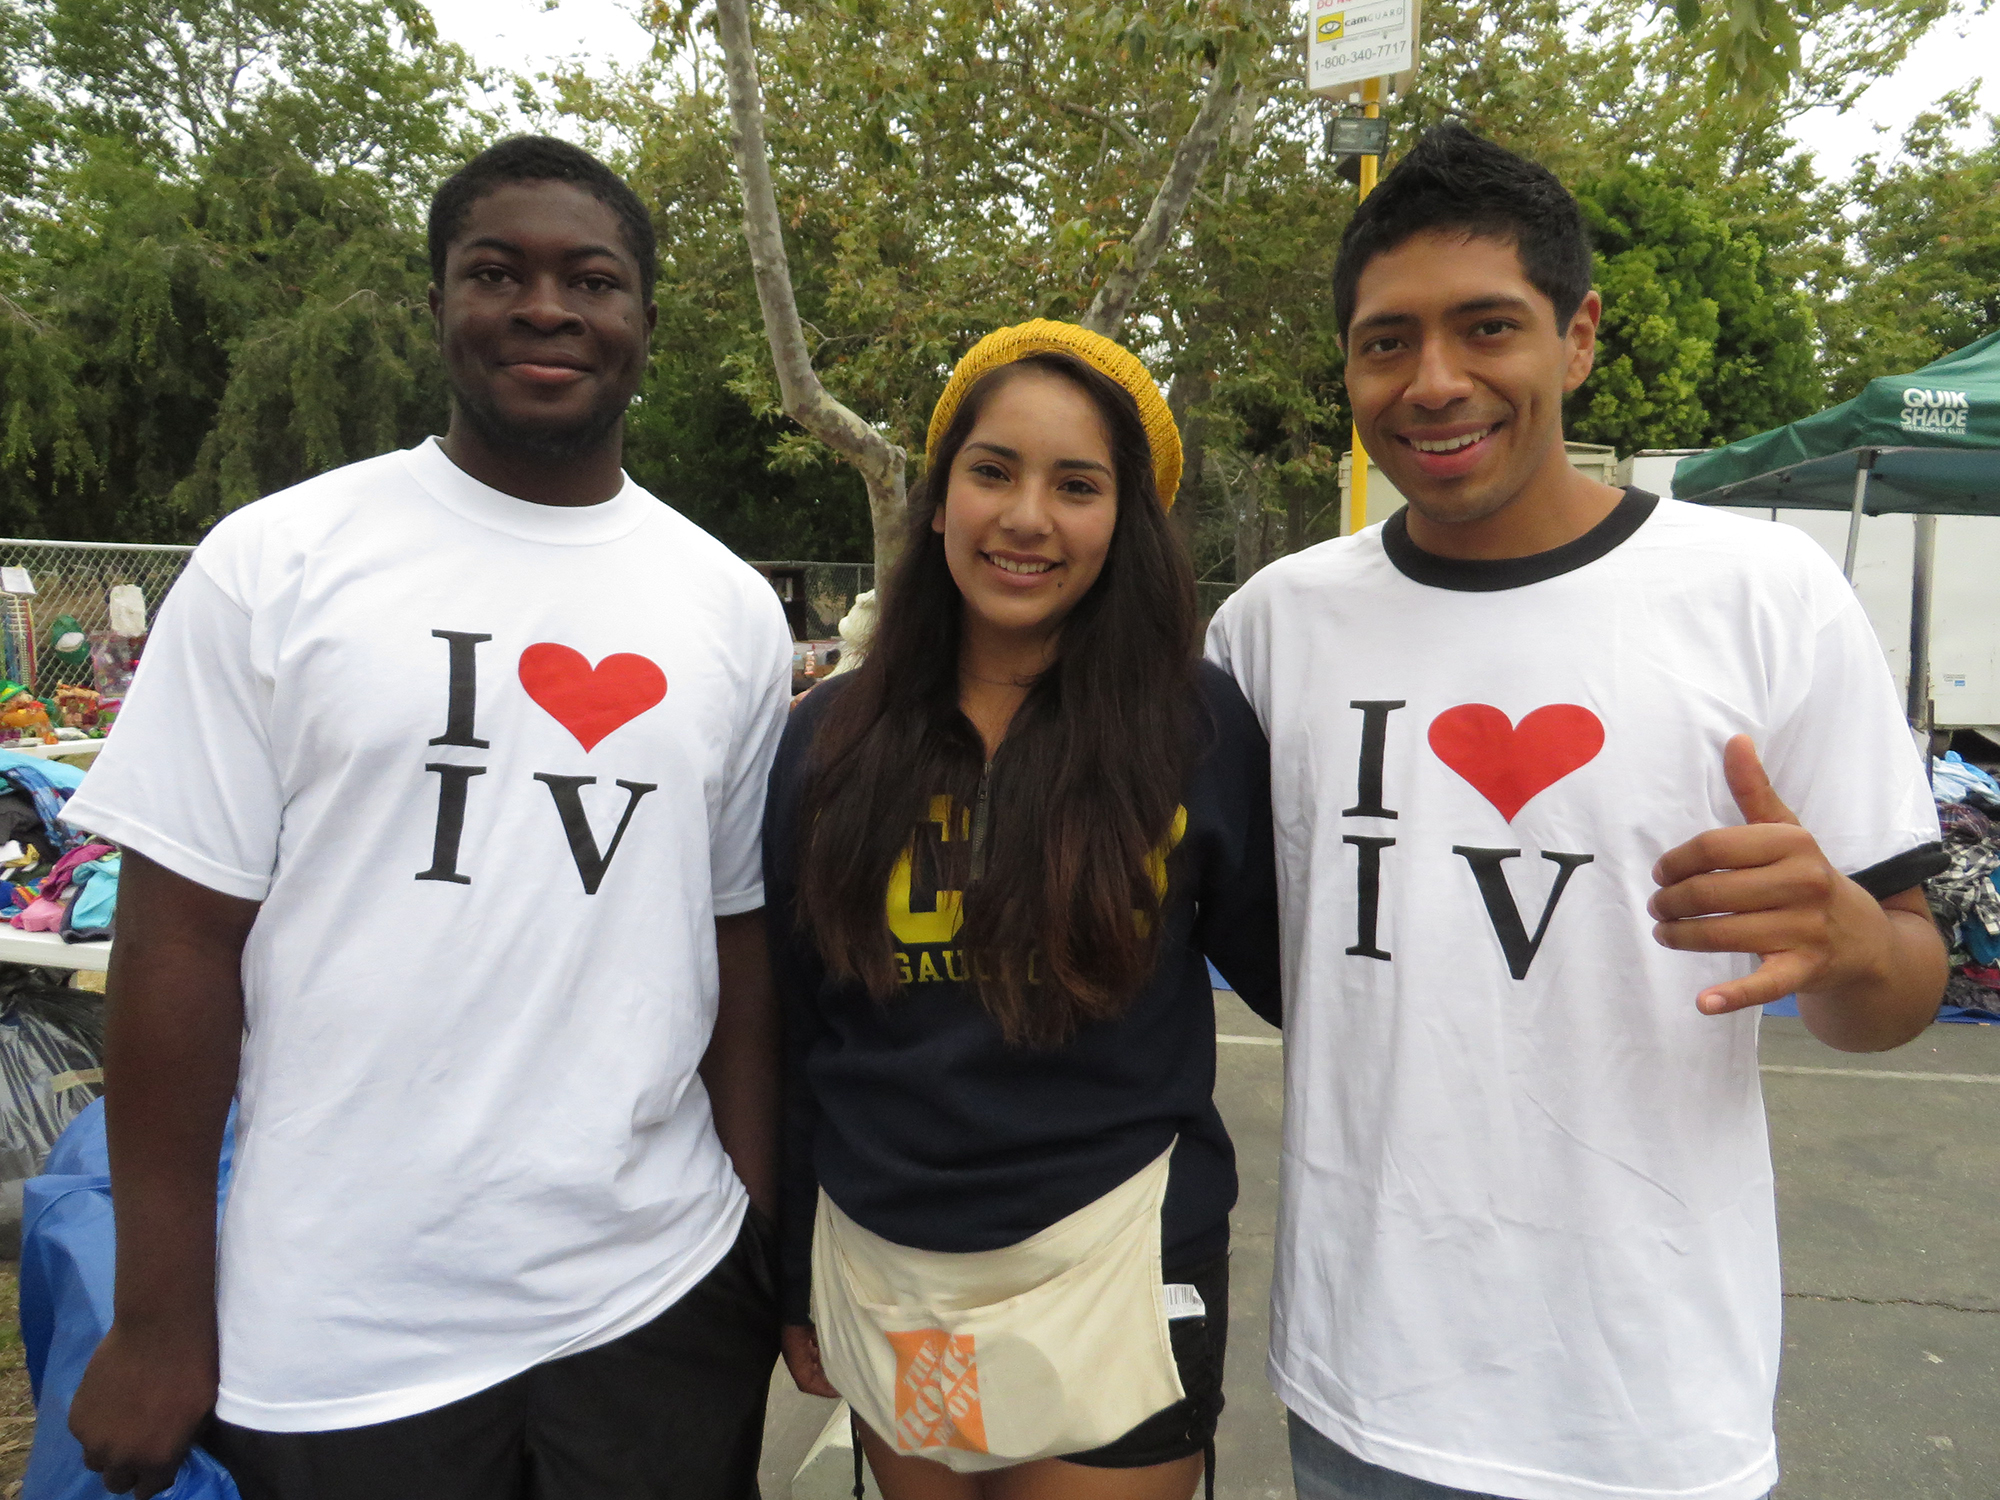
66 1269
47 1078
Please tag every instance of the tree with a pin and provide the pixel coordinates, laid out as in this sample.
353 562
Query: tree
1920 274
949 141
226 296
1702 341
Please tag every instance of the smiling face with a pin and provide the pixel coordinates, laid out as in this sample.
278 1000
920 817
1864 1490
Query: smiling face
541 320
1030 506
1457 369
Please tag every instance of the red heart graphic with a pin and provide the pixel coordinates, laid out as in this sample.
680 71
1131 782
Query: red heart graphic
588 702
1509 763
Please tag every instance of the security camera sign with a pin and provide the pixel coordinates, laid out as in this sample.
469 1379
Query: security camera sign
1352 41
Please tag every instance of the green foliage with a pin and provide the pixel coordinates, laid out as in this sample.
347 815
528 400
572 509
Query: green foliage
1921 274
216 279
212 272
1702 341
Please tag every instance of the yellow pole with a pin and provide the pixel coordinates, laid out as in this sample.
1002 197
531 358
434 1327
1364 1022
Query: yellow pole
1357 484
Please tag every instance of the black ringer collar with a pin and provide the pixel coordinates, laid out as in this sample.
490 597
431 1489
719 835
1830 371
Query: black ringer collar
1490 575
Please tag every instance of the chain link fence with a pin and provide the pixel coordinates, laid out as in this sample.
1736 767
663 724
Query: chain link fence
56 602
817 594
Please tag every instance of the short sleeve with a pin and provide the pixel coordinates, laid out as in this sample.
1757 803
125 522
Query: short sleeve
736 833
187 776
1844 760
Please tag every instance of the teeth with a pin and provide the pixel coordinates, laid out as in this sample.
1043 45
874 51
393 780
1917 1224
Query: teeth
1008 565
1449 445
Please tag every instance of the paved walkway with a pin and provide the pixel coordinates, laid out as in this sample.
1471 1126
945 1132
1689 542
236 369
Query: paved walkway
1888 1190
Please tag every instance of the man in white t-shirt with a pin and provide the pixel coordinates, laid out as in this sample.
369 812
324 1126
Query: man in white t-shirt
1535 883
441 787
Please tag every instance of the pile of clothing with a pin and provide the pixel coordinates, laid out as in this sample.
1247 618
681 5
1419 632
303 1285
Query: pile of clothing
1965 899
52 878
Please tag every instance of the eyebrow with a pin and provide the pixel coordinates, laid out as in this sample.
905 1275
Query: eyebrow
581 252
1013 455
1458 309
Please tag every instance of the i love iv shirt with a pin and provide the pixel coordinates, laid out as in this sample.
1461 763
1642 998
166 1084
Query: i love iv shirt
493 769
1527 1243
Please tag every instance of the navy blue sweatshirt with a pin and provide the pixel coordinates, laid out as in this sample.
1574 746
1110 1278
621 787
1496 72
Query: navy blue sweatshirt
927 1128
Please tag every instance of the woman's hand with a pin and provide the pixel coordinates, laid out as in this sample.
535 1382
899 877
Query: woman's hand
801 1348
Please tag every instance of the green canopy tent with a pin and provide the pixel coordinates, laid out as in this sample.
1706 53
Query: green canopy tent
1926 444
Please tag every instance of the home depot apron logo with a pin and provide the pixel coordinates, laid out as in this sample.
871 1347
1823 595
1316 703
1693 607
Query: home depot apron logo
986 1358
937 1391
1940 413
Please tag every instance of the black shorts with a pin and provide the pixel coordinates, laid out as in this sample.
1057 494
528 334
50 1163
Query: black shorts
1188 1426
675 1408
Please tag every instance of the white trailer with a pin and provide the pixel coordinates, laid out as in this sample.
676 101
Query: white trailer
1965 605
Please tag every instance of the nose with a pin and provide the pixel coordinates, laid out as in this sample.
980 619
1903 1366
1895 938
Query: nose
541 307
1027 513
1439 378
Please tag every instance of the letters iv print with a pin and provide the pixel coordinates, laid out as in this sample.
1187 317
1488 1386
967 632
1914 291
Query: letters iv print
1506 763
937 1391
590 702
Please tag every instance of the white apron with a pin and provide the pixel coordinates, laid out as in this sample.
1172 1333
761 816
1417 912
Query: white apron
981 1360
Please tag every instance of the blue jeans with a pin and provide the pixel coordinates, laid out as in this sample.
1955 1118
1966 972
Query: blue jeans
1323 1470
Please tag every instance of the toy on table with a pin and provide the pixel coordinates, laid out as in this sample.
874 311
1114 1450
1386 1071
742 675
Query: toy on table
25 714
80 707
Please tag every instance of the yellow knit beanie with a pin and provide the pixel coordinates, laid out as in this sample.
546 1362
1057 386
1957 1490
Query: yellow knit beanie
1006 345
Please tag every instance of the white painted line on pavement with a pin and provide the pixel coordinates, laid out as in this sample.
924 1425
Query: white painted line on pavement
1901 1076
1884 1073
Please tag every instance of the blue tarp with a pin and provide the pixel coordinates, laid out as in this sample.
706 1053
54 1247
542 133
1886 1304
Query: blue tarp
66 1265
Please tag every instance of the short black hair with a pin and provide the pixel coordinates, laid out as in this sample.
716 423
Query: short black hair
1454 179
542 158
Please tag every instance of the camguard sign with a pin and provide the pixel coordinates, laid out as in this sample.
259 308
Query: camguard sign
1935 411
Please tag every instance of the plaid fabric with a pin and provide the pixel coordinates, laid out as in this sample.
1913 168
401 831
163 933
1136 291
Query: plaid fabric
48 799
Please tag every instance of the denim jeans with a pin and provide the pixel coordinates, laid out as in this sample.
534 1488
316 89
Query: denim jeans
1323 1470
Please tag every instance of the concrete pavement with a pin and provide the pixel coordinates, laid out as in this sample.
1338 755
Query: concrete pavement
1888 1193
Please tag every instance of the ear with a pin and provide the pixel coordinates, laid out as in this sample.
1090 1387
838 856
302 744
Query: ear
937 518
1582 340
652 318
436 299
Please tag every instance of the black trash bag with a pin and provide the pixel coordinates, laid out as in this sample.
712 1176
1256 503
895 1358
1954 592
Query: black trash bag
51 1063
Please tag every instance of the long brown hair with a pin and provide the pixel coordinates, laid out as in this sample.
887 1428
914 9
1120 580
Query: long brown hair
1061 927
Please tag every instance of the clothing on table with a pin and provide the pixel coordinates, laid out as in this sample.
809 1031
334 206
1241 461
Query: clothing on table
926 1128
20 821
671 1411
473 1135
1527 1242
53 893
93 899
48 792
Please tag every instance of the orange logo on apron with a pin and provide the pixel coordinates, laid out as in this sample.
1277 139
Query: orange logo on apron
937 1391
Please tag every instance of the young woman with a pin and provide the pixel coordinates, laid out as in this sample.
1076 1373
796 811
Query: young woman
997 854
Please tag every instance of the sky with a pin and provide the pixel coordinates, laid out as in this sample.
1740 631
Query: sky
529 35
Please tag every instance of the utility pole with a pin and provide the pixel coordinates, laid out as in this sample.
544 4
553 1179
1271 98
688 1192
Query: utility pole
1355 53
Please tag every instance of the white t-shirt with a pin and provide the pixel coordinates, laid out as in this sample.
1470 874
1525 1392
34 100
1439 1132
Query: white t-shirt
492 768
1527 1243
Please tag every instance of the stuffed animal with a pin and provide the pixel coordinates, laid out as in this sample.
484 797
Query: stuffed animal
79 706
24 713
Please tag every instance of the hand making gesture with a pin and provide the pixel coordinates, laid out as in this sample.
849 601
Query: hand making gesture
1868 972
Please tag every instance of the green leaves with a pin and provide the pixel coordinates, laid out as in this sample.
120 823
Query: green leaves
214 273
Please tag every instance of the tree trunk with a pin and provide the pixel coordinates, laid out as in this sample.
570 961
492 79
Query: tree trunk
806 401
1191 158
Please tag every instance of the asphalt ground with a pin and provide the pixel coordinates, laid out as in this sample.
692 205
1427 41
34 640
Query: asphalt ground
1888 1171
